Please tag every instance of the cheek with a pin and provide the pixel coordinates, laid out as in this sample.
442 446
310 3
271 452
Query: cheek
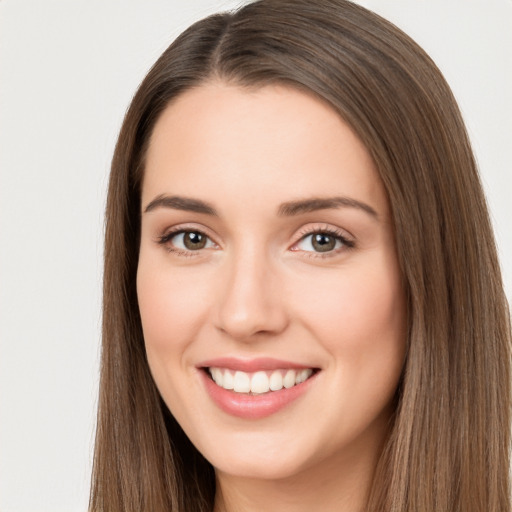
359 317
172 306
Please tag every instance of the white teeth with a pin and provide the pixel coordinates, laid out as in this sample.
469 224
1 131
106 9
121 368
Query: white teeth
289 379
276 381
229 381
217 376
259 382
242 382
301 376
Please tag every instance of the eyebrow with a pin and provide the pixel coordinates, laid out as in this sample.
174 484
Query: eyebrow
310 205
288 209
181 203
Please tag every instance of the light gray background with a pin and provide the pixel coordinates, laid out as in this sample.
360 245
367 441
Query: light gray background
68 69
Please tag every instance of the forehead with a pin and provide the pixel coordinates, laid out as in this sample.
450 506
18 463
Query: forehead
261 145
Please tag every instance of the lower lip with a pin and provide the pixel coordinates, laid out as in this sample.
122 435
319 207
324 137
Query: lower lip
253 407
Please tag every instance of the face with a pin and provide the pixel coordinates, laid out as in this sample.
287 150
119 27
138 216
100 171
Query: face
268 283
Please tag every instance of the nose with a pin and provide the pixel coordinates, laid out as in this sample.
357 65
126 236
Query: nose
251 303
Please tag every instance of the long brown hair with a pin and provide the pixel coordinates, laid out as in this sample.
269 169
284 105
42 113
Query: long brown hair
448 448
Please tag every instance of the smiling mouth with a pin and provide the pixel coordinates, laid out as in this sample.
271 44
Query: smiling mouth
260 382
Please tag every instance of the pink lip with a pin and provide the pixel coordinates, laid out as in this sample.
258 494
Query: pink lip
248 406
251 365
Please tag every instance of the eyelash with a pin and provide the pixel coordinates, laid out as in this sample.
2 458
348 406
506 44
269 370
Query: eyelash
347 244
169 235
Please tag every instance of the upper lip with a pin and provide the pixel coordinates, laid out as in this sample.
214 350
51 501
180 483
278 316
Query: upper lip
252 365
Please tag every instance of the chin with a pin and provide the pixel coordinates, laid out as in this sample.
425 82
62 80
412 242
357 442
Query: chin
268 467
261 455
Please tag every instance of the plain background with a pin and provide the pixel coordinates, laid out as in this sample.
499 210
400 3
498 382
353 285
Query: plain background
68 69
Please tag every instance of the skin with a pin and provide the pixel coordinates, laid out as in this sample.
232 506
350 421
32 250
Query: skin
259 288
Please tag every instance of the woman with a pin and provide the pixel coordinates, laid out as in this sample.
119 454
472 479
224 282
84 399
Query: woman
302 304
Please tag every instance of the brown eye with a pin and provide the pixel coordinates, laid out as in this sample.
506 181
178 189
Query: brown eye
193 240
186 241
323 242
